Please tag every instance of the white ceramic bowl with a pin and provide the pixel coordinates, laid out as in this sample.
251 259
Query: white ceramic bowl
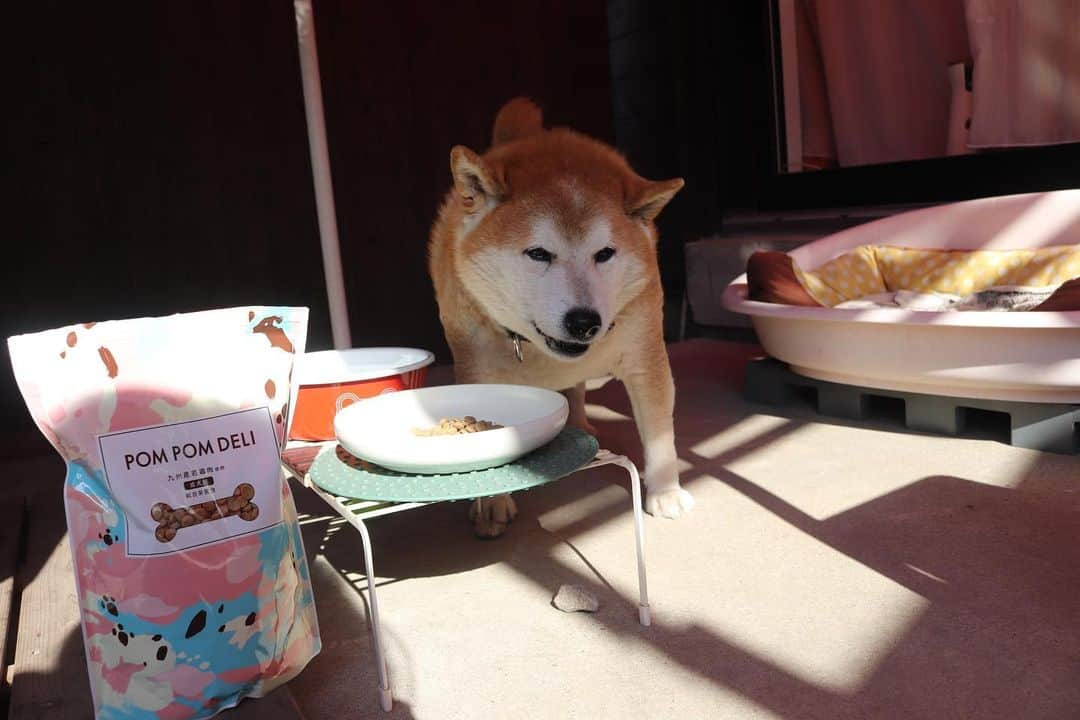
380 429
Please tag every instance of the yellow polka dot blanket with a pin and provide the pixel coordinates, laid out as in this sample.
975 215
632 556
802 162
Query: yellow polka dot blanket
873 269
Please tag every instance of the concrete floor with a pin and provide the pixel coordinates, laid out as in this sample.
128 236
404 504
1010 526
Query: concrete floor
830 571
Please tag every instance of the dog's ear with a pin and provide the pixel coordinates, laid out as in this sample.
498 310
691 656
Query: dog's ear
645 198
474 182
517 119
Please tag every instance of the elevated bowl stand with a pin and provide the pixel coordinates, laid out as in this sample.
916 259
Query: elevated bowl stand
299 458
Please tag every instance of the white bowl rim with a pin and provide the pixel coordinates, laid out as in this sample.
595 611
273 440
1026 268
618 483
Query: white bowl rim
348 369
462 446
559 401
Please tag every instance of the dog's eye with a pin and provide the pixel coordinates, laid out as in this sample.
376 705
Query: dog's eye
604 255
539 254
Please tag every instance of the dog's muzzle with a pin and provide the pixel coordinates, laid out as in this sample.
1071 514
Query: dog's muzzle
562 347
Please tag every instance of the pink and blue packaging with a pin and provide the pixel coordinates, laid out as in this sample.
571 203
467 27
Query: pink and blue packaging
191 578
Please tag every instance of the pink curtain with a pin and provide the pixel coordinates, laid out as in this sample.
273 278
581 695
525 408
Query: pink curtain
1027 72
874 75
819 150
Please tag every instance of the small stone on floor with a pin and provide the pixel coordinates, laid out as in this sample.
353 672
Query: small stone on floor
574 598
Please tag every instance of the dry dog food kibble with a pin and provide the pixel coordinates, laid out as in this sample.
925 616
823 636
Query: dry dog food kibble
457 426
191 596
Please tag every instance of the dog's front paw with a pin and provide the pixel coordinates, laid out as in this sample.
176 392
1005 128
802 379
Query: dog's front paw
669 503
491 516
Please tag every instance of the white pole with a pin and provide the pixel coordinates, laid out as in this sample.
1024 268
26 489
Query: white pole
320 167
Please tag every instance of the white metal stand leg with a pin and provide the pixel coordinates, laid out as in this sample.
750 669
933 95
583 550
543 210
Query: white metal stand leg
605 457
385 697
350 510
644 615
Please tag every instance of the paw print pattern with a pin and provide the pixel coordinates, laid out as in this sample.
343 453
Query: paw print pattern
123 636
108 537
108 604
150 651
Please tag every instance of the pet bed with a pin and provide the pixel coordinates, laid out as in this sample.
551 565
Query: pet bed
960 247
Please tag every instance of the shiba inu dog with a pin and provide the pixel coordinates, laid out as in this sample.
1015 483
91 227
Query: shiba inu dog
543 258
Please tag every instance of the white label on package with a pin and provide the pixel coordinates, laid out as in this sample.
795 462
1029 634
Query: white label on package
195 483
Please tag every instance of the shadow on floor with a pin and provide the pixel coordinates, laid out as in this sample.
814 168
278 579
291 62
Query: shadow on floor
998 634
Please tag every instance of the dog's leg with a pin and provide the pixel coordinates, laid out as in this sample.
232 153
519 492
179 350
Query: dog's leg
490 516
652 395
575 396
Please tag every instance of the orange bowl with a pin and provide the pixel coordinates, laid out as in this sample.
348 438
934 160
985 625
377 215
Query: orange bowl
331 380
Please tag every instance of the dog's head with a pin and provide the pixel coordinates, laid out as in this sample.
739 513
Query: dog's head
554 231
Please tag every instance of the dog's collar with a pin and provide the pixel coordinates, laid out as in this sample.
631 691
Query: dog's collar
516 340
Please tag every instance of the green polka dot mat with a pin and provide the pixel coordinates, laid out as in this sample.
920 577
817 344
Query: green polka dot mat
342 474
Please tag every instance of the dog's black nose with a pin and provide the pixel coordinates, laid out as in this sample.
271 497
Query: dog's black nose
582 323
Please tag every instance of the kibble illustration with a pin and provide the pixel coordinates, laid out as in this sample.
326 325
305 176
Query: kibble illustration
170 521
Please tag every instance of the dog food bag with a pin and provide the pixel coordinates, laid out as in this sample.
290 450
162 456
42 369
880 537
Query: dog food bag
192 581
